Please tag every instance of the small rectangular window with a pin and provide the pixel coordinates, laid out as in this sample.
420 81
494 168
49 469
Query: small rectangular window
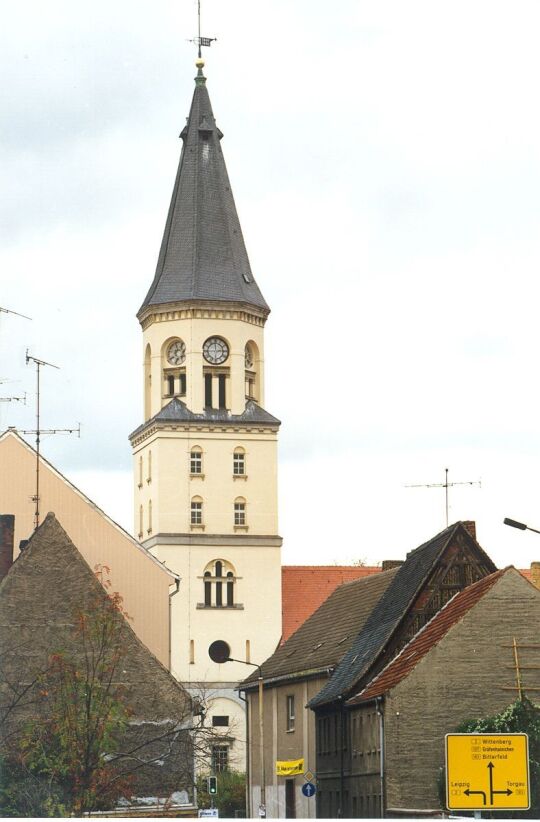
191 651
239 464
208 391
170 384
182 391
195 462
239 513
220 721
290 712
196 513
222 382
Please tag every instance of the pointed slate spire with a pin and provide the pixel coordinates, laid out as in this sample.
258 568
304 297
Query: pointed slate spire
203 256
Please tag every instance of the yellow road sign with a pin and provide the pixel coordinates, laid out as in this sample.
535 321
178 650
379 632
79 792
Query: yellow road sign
487 772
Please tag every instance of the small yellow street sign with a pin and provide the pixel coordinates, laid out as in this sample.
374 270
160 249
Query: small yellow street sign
289 767
487 772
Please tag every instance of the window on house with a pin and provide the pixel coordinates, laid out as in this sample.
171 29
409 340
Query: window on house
196 511
240 511
239 462
191 651
195 461
170 384
220 758
141 514
220 721
149 477
140 472
290 712
149 516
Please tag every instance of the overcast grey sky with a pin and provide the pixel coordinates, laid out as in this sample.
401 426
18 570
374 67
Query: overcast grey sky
385 160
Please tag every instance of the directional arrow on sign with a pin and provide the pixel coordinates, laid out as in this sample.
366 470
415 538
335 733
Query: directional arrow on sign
491 791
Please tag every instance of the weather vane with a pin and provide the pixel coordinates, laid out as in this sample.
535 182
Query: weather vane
201 41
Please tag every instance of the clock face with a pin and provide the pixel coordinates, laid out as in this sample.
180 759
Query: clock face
176 352
248 357
215 350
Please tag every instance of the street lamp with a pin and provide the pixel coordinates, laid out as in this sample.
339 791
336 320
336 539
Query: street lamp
520 525
219 651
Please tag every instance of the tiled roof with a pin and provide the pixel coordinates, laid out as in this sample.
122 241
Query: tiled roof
177 411
388 614
327 634
426 638
202 255
305 587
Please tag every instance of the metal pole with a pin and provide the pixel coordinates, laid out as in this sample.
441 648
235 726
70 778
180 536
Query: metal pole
37 451
261 747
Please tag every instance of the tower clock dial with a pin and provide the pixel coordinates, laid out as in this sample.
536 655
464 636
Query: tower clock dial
176 352
215 350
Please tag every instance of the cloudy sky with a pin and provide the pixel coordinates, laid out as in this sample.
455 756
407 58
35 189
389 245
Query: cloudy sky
385 160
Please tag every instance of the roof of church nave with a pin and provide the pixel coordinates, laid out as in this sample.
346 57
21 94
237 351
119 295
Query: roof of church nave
203 255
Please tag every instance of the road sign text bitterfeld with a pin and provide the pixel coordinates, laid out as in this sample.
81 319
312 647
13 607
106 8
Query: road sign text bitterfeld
488 771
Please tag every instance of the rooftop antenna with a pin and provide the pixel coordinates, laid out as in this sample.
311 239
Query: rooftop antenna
9 311
13 399
38 431
446 485
201 41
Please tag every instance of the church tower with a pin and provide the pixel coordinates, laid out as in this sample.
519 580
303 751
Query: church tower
205 457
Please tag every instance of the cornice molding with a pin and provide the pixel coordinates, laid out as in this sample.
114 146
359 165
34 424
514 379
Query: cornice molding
229 540
202 428
201 310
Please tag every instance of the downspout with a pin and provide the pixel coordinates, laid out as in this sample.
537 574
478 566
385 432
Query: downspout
177 581
248 794
378 704
342 761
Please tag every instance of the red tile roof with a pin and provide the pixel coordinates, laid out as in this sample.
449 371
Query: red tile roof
305 587
427 638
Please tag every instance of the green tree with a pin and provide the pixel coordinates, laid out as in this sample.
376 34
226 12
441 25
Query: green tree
231 793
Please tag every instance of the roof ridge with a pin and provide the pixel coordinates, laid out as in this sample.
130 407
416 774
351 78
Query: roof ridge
481 586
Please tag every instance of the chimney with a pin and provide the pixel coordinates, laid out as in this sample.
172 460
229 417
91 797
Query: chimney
470 527
535 573
391 563
7 530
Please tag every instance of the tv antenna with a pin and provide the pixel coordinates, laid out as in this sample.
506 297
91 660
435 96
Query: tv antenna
38 431
201 41
13 399
9 311
446 485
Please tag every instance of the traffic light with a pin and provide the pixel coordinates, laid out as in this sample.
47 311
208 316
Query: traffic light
212 785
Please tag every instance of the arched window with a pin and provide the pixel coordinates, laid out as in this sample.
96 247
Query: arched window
240 512
150 516
147 382
149 477
141 514
196 511
219 580
140 471
195 460
239 462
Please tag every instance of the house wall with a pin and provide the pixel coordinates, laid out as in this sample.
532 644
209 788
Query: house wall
469 673
140 580
281 744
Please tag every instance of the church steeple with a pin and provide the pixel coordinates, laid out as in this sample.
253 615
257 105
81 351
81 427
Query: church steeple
203 255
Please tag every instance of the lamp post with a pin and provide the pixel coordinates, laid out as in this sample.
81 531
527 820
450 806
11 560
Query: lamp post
520 525
219 651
